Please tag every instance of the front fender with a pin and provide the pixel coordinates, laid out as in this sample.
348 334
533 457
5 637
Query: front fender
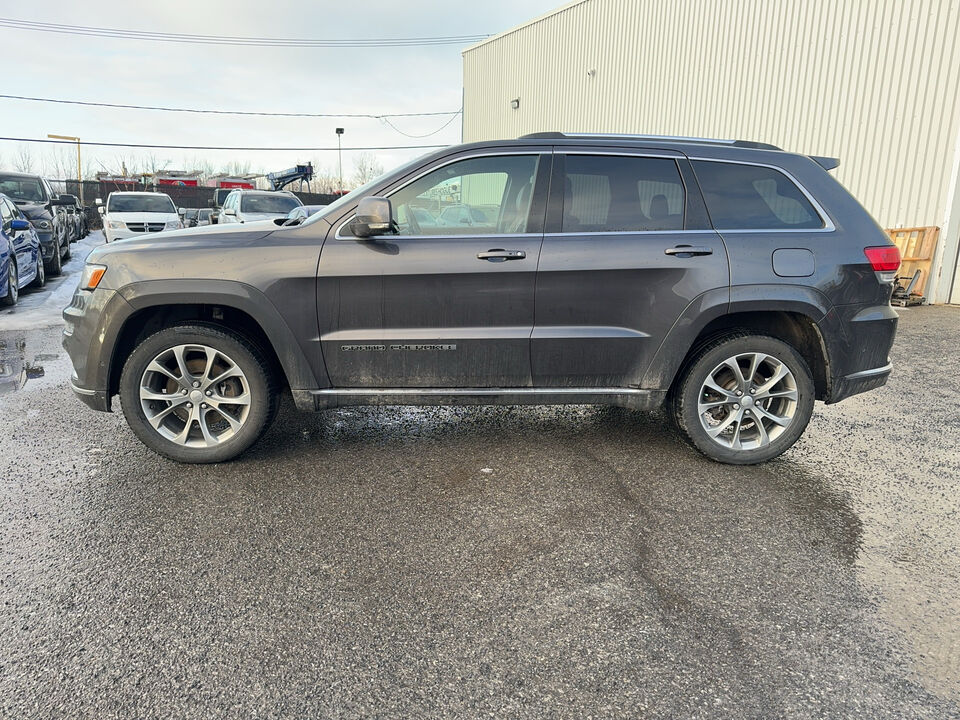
300 372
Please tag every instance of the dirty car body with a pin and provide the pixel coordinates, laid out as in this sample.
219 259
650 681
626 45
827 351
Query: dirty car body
600 269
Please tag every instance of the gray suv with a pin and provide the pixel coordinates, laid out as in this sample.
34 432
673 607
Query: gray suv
728 281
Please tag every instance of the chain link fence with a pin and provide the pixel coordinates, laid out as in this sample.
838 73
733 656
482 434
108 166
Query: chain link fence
183 196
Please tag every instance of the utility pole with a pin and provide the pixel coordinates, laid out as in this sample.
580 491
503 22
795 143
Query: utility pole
340 157
79 179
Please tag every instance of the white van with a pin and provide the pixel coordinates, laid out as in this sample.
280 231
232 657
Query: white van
128 214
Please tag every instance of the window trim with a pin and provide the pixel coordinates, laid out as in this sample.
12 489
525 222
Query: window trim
828 224
538 154
640 154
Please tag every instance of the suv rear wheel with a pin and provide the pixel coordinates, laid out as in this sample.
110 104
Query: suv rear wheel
198 394
745 399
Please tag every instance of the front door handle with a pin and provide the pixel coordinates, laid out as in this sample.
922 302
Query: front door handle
500 255
688 251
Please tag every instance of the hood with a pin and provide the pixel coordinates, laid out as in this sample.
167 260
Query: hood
34 211
209 235
260 226
253 217
139 217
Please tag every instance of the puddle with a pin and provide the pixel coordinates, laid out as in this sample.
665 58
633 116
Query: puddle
18 367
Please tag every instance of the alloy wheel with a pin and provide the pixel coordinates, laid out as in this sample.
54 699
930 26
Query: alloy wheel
195 395
747 401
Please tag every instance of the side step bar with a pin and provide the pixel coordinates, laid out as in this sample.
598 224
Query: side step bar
631 398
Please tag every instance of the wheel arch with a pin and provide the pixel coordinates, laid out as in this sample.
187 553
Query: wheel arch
230 305
793 314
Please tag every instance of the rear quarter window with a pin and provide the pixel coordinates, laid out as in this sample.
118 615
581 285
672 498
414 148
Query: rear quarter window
753 197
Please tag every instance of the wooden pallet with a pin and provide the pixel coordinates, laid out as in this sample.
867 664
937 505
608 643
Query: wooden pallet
917 247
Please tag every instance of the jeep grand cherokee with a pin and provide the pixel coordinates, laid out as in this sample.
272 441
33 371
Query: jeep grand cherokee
730 281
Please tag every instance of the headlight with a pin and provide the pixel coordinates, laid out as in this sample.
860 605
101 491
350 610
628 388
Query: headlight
92 275
116 225
43 224
172 225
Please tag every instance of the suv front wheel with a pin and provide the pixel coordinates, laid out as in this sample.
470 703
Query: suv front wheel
198 394
744 399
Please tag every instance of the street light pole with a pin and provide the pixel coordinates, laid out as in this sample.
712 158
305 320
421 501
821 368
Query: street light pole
77 141
340 157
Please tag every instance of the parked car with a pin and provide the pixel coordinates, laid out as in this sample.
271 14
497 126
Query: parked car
188 216
36 199
460 215
21 261
730 282
220 196
127 214
74 220
302 212
243 206
203 216
83 222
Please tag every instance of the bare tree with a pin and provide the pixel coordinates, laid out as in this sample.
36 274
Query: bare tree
237 168
23 160
365 168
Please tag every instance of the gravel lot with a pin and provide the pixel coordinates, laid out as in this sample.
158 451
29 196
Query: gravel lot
495 562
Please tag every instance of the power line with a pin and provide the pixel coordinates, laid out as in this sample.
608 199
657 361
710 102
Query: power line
218 147
93 31
89 103
384 120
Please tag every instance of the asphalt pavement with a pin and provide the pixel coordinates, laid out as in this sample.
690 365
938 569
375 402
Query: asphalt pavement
483 562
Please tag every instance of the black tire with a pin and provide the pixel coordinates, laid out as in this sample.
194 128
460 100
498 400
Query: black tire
41 277
67 251
55 263
685 399
13 281
251 360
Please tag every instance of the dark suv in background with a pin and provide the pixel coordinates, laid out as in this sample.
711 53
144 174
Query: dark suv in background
730 281
46 212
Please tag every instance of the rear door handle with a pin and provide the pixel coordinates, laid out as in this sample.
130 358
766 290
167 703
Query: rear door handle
499 255
688 250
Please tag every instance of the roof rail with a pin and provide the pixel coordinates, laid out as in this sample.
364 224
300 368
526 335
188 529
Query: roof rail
660 138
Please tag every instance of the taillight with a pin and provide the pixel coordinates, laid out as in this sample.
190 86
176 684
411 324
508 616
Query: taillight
885 258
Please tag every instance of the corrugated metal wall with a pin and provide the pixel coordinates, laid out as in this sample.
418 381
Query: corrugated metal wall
874 82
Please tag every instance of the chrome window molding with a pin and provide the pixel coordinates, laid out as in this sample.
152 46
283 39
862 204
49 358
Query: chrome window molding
825 218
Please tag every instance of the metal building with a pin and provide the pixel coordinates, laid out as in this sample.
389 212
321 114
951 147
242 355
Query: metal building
873 82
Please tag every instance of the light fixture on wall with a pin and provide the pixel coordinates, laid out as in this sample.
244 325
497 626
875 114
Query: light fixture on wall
515 103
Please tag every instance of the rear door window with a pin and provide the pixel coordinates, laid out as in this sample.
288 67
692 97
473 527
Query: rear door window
753 197
612 193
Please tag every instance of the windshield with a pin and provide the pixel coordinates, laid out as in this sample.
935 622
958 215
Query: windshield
281 204
141 203
221 195
23 189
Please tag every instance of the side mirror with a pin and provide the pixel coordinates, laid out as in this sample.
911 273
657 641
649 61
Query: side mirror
374 217
101 209
18 225
181 211
229 211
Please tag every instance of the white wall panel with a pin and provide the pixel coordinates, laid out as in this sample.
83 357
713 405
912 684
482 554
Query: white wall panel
873 82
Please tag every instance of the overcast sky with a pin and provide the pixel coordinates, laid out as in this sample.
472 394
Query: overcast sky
381 80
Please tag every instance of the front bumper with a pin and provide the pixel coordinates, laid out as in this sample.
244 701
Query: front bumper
95 399
90 343
48 244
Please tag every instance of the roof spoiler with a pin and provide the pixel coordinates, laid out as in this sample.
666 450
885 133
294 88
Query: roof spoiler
827 163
